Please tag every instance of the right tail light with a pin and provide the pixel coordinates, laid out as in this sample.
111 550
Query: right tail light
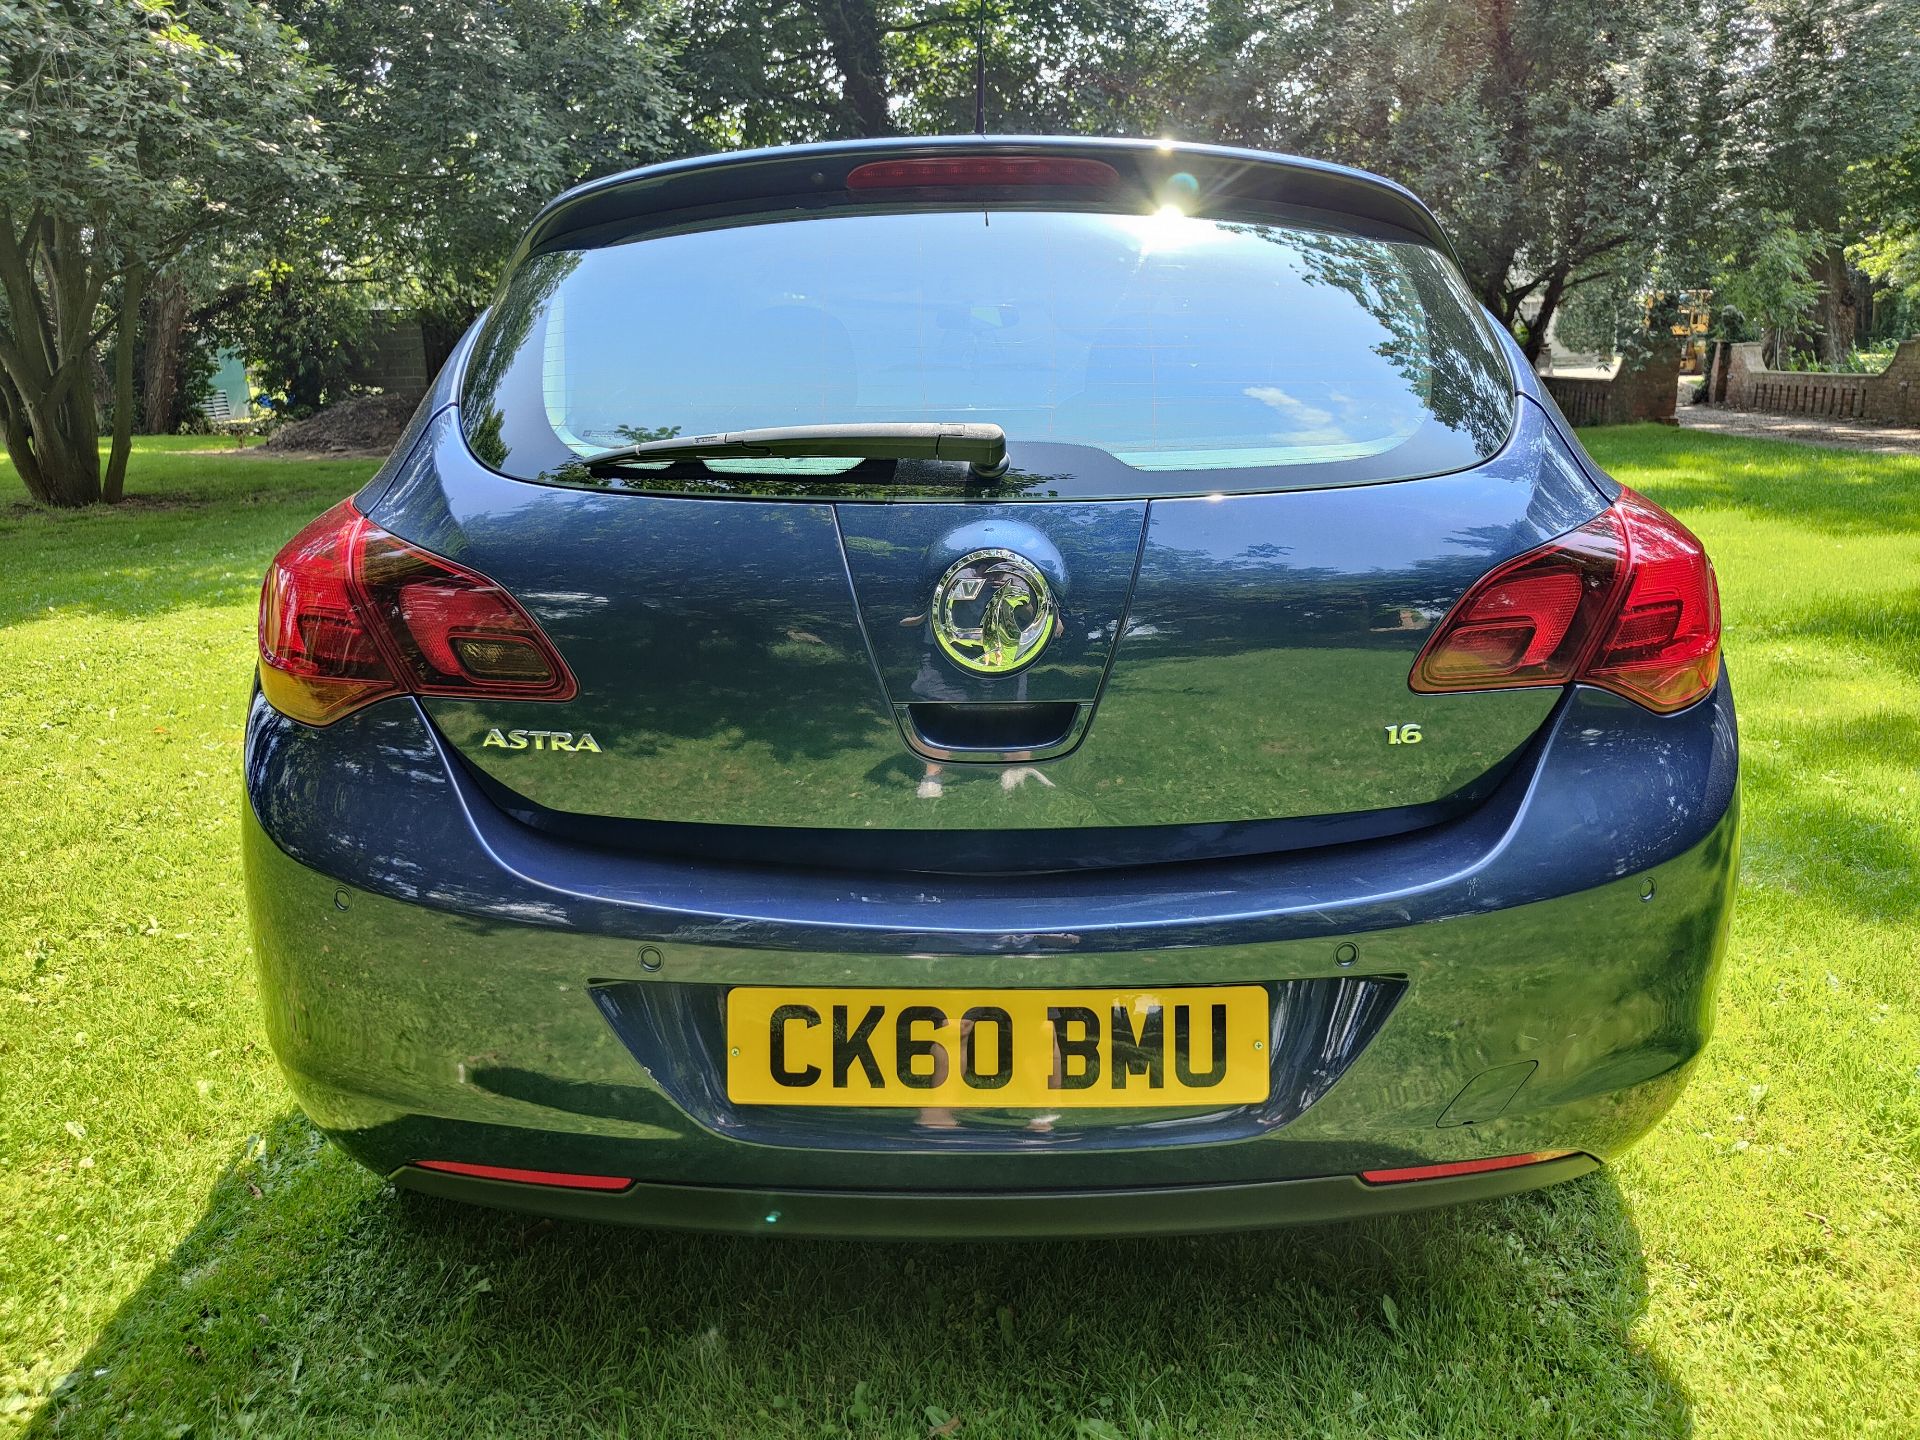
1627 602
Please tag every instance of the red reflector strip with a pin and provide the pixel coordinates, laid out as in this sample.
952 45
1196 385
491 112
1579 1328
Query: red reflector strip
556 1178
980 170
1461 1167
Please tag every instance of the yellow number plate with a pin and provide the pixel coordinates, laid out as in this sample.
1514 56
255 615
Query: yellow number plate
1013 1049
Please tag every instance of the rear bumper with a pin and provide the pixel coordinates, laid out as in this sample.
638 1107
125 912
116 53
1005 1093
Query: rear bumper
430 974
962 1215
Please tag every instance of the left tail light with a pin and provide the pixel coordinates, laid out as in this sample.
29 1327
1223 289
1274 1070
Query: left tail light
350 614
1627 601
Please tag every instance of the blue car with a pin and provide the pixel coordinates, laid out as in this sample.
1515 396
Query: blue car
988 686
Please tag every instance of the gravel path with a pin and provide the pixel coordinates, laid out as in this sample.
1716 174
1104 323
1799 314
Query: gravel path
1805 429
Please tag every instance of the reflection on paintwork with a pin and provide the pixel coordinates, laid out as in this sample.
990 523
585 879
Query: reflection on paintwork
1263 649
362 798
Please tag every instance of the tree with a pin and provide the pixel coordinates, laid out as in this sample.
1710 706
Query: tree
126 131
775 72
1772 283
1823 90
455 120
1546 136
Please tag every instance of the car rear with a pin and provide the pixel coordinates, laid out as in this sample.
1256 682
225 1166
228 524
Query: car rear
1298 785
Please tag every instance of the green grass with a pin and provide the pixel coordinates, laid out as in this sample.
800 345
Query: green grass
181 1254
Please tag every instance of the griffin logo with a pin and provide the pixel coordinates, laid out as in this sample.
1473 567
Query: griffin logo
541 740
993 612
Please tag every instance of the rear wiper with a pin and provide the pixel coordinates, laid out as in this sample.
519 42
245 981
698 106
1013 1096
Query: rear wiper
984 447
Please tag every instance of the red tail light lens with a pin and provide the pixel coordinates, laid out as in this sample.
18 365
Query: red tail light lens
350 614
1663 648
1628 602
979 170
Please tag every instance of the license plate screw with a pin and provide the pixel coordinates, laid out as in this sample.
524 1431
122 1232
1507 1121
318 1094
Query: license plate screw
735 1052
1259 1044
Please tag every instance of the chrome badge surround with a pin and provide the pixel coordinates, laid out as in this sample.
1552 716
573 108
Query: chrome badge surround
993 612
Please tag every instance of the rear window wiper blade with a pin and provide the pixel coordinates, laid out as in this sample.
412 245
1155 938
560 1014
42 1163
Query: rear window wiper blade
984 447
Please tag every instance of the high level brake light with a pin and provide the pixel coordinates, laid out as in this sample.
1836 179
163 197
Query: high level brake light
1627 602
981 170
350 614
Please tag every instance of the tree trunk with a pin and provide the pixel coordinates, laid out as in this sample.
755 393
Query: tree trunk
114 485
853 35
1836 307
55 449
46 349
166 326
1550 296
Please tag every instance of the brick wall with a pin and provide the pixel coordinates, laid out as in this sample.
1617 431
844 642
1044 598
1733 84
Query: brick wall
1741 382
1644 391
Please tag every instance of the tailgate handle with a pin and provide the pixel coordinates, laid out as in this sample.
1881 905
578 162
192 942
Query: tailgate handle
993 731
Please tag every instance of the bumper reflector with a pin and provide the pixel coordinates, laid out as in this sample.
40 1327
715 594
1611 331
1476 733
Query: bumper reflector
555 1178
1461 1167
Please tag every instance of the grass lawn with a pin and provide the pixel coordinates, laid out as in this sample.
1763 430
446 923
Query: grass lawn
182 1255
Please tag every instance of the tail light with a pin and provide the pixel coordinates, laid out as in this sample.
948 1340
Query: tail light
1628 602
350 614
981 170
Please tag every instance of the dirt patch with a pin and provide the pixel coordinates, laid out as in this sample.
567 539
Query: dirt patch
172 500
358 425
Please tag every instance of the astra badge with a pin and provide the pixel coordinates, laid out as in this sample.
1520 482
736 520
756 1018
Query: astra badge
993 612
541 740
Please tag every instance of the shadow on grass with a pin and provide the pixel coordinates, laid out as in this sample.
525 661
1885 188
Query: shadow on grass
154 555
312 1298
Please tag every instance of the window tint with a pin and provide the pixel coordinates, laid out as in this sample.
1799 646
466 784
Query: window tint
1193 352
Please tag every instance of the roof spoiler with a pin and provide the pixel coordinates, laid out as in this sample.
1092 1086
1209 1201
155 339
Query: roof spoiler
813 178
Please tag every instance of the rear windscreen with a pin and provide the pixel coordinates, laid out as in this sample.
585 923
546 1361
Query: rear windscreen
1122 354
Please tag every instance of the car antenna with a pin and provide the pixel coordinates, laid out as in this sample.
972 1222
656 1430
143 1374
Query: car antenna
980 68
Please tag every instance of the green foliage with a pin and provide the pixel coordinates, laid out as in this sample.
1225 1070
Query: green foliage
197 362
1617 316
1548 141
455 120
1814 100
303 333
1771 282
763 72
1854 362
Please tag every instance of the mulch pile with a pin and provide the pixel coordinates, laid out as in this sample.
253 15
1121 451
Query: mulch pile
357 425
